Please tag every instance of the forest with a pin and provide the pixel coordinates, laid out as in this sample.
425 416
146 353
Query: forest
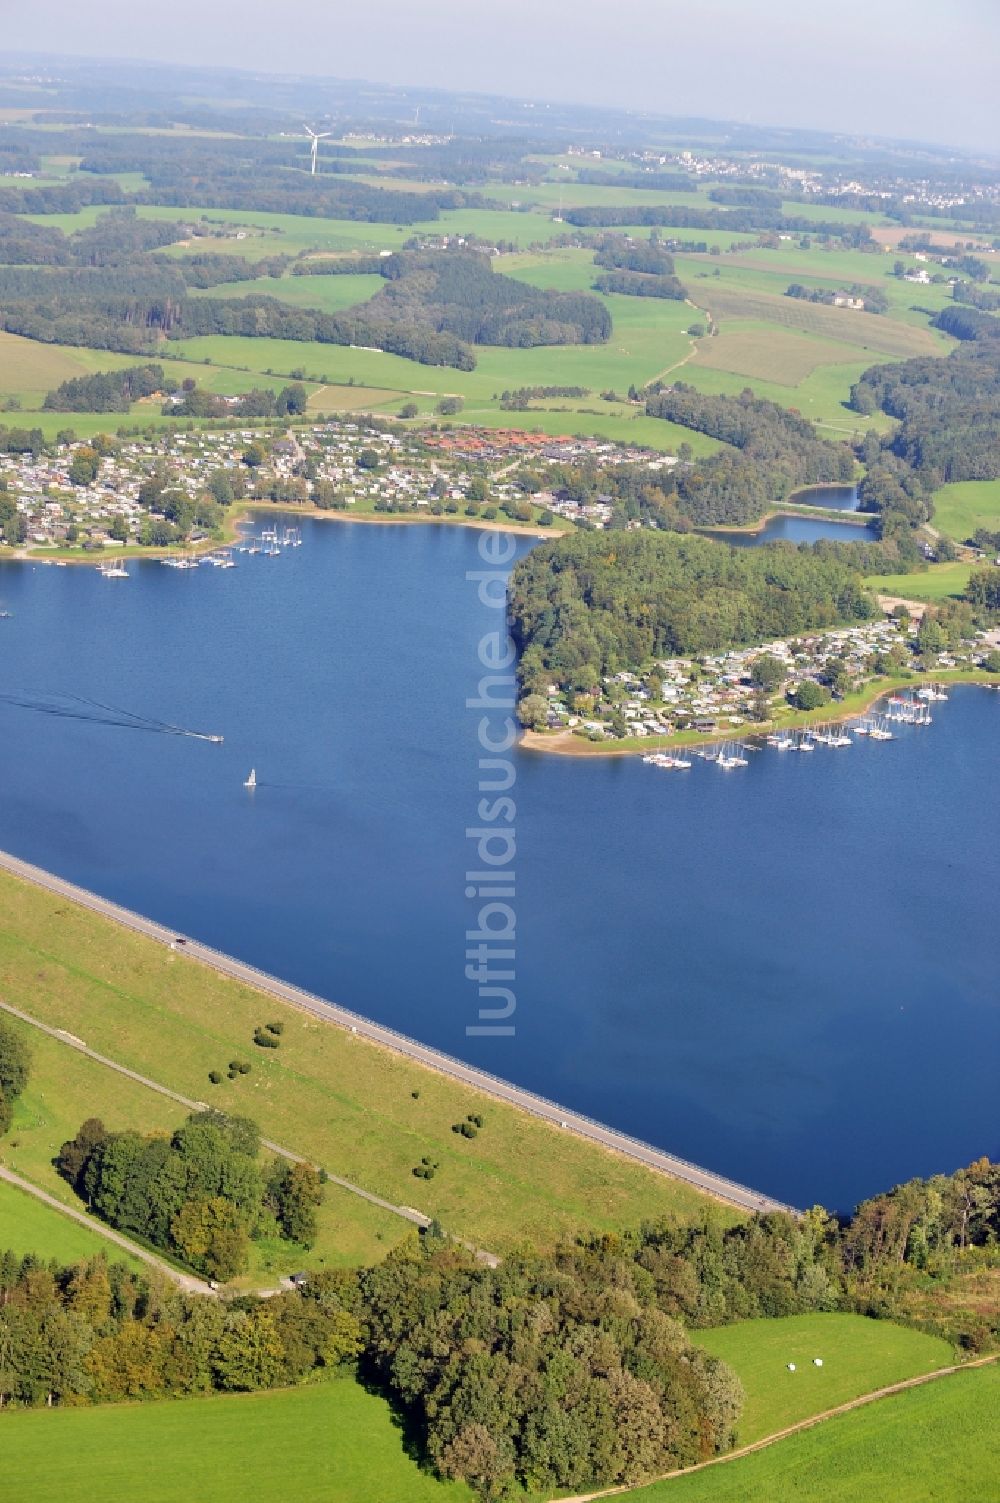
590 604
772 452
948 410
563 1370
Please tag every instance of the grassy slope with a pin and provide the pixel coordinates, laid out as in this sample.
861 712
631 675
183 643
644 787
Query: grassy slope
344 1102
859 1355
936 582
331 1443
933 1444
960 508
28 1226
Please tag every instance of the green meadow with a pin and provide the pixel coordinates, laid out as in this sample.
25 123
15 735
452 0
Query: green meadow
936 582
932 1444
961 508
858 1356
329 1442
29 1226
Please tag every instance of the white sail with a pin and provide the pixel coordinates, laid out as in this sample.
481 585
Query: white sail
251 781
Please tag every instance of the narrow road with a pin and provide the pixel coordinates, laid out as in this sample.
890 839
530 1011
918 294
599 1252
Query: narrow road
60 1034
185 1281
805 1424
715 1185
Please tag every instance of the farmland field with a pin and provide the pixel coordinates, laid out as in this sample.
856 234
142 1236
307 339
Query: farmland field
783 356
865 331
934 1444
328 1443
858 1356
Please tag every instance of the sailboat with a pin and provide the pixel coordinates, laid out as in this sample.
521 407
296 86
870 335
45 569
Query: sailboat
251 781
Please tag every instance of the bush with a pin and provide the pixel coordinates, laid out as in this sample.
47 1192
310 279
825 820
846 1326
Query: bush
465 1129
215 1076
265 1040
276 1028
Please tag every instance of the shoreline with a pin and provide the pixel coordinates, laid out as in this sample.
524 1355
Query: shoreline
56 557
716 1186
566 744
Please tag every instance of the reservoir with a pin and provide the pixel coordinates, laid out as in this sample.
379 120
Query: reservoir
786 973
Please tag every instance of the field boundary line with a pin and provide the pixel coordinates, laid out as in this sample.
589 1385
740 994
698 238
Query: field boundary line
800 1425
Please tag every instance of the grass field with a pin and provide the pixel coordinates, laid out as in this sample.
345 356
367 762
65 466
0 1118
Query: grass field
858 1355
871 332
66 1087
785 356
936 582
29 1226
344 1102
960 508
933 1444
329 1443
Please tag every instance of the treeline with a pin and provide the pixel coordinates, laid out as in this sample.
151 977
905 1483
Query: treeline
521 397
258 402
200 1194
948 410
685 216
106 391
338 266
457 292
15 1057
746 198
433 308
779 452
92 1333
656 182
581 608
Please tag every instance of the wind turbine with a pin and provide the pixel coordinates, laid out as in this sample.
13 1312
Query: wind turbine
317 137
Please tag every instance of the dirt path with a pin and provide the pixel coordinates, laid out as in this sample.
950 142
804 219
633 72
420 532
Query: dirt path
797 1428
185 1281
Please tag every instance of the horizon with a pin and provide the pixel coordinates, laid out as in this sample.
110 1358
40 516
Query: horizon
658 69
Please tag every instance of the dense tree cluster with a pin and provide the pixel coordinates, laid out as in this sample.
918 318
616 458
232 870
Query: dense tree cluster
589 604
199 1194
618 254
94 1333
639 284
546 1372
776 452
106 391
521 397
967 323
458 292
948 409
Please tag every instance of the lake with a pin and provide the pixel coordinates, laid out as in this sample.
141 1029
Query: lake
786 973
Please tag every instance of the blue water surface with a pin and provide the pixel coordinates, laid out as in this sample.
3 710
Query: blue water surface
786 972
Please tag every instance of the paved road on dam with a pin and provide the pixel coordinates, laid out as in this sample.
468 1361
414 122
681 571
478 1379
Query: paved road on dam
716 1185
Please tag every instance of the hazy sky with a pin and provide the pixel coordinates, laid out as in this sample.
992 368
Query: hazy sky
924 69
